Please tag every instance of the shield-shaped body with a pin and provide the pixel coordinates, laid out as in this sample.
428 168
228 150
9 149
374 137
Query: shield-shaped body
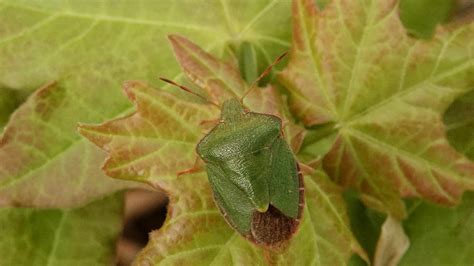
253 174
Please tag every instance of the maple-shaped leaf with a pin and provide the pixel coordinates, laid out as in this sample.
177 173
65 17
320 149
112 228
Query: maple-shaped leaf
354 66
195 232
155 142
158 141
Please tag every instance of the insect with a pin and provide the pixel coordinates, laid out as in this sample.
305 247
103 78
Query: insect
253 173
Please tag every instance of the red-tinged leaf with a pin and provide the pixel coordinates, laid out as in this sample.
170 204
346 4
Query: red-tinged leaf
353 65
221 81
31 171
264 100
218 79
155 142
196 233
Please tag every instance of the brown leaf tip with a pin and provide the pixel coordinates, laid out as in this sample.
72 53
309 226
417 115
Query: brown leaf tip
178 39
130 85
93 134
175 37
47 98
46 89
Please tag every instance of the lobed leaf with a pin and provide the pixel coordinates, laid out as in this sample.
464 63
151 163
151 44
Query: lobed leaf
385 93
157 141
196 233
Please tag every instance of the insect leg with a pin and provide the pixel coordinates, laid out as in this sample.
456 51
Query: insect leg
197 167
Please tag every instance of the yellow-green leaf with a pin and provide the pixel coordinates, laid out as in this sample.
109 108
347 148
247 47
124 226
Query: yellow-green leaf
39 165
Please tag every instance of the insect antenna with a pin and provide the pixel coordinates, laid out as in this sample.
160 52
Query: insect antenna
188 90
264 73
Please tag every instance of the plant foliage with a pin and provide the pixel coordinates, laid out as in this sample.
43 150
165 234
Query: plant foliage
366 105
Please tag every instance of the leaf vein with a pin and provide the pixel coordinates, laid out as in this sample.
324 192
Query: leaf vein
420 160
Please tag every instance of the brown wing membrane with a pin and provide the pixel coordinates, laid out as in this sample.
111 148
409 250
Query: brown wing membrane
273 227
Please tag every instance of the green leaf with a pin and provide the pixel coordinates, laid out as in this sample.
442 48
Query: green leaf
32 174
248 62
441 236
104 45
81 236
385 93
420 17
196 233
459 121
366 223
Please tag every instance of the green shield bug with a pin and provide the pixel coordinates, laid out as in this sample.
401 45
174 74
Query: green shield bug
252 171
